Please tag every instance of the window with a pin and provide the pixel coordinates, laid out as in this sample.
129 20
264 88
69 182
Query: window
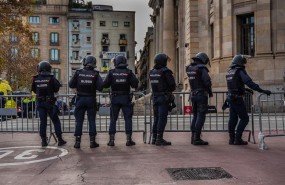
122 36
88 24
126 24
122 48
105 48
13 38
56 73
54 55
88 53
105 39
36 37
34 19
75 55
102 23
75 24
75 38
54 20
88 39
54 39
247 36
35 52
115 24
14 52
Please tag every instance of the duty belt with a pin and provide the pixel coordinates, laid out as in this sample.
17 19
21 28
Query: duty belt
115 93
199 93
85 94
46 98
160 93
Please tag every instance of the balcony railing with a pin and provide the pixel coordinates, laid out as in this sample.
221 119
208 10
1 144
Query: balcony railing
105 41
123 42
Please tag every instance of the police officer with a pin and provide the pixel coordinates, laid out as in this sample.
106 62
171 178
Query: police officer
121 79
201 88
237 78
162 84
86 81
45 85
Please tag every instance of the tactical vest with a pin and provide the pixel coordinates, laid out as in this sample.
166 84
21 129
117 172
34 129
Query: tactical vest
44 85
235 85
86 82
194 77
120 80
157 81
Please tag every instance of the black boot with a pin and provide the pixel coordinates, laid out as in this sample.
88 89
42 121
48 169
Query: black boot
232 138
192 138
239 141
153 141
93 143
198 140
160 141
112 140
60 141
130 142
44 141
77 141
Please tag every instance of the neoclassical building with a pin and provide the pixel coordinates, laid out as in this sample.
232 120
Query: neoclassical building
222 29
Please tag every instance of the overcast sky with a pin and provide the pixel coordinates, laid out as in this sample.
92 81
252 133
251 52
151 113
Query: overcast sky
142 15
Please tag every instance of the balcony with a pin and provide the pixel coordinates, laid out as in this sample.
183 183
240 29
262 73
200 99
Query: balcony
123 42
105 41
76 43
54 43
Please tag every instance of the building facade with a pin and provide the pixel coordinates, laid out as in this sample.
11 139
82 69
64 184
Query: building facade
64 35
222 29
49 25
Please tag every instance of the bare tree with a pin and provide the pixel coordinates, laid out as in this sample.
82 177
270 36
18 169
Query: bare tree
16 61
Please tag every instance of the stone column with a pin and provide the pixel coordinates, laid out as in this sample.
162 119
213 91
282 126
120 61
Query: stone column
168 32
161 28
262 28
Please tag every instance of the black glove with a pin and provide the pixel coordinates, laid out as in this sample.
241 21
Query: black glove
249 90
210 93
267 92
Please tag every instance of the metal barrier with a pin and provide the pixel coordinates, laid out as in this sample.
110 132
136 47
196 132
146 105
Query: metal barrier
271 117
179 119
29 121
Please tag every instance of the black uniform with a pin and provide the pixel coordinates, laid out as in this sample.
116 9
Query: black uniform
45 85
121 79
162 84
86 81
201 88
237 78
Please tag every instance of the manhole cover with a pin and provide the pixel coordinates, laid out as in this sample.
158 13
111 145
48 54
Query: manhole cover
208 173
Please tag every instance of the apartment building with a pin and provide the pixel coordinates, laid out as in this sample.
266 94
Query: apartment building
64 35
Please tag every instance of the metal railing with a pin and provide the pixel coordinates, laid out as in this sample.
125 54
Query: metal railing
271 117
216 121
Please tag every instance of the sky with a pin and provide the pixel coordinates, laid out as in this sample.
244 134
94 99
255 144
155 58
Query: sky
142 15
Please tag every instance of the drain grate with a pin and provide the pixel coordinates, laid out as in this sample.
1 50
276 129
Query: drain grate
209 173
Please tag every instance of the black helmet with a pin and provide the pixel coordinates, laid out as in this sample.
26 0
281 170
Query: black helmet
120 61
239 60
89 60
161 59
44 67
202 58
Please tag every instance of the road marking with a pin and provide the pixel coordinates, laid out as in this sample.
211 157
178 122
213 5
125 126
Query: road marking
26 154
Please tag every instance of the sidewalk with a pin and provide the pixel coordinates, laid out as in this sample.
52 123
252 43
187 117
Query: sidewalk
141 164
